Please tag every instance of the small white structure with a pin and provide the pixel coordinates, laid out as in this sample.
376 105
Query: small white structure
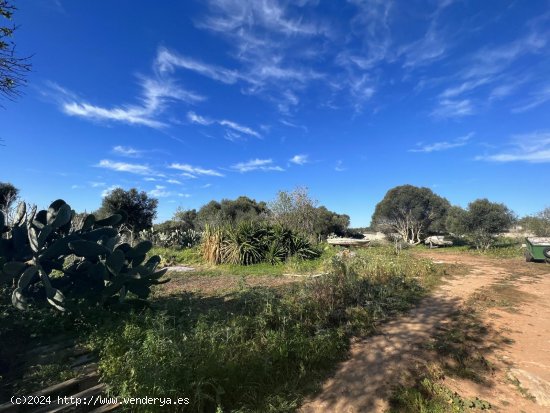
437 241
348 242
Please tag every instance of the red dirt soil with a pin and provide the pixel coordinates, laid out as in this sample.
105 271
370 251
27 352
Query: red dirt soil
517 342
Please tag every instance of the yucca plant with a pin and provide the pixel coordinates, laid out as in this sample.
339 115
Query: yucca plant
245 244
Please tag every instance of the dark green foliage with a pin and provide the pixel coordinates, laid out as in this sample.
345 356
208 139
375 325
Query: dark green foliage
91 263
481 222
231 212
183 219
12 67
329 222
138 206
411 212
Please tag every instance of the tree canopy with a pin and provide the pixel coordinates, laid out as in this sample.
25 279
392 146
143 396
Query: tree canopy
481 222
297 211
141 209
411 212
232 212
538 224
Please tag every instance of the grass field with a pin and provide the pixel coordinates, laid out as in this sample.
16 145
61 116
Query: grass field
248 349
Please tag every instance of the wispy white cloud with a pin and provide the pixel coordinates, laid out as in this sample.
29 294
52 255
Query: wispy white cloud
239 15
257 165
299 159
167 61
95 184
194 170
443 145
339 166
173 181
132 168
428 49
160 192
448 108
532 148
127 151
156 94
536 99
492 65
464 87
264 37
201 120
293 125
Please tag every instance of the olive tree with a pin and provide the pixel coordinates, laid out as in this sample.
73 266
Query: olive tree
481 222
231 211
295 210
298 211
140 208
411 212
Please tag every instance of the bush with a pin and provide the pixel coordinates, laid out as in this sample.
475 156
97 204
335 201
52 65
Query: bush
481 222
251 243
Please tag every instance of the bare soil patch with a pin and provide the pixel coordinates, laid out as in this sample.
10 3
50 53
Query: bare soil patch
182 283
487 328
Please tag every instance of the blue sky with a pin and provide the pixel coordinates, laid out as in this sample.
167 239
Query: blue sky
199 100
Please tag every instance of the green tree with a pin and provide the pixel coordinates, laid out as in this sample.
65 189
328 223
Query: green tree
295 210
298 211
411 212
231 212
538 224
481 222
185 218
12 67
329 222
140 208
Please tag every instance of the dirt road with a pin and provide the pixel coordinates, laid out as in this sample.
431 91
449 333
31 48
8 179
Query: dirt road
508 336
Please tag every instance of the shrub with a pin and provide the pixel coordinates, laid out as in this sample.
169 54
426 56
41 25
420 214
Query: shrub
481 222
250 243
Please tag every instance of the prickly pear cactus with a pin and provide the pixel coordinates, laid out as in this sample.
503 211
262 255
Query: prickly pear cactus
88 260
172 238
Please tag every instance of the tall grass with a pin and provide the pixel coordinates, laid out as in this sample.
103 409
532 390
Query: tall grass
257 350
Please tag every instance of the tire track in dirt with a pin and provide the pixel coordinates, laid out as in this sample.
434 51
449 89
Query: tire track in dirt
364 382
